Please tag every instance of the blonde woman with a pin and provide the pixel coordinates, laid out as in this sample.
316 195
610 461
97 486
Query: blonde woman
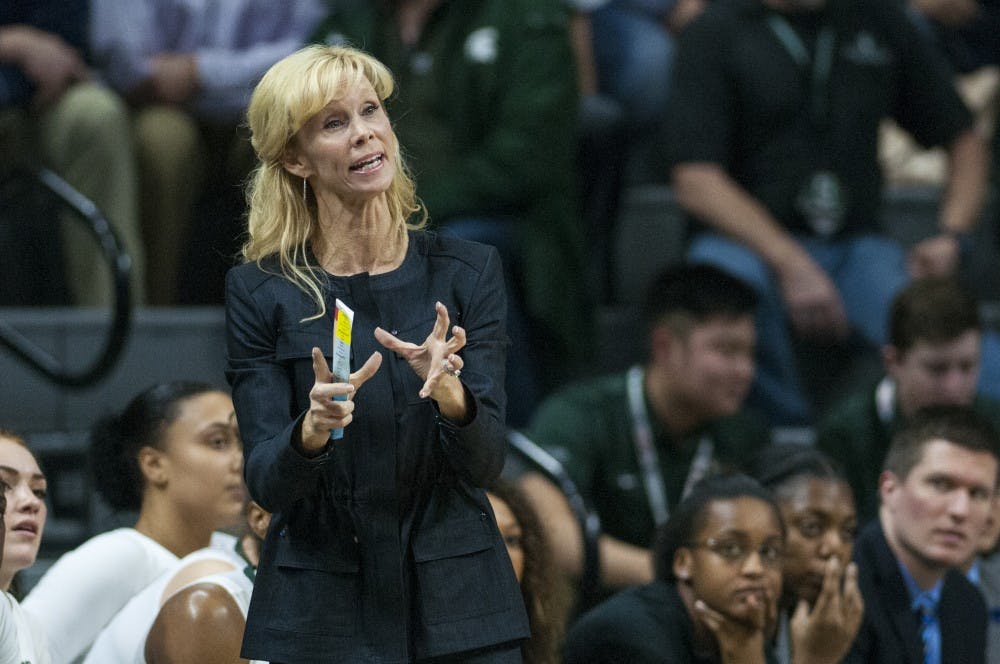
382 545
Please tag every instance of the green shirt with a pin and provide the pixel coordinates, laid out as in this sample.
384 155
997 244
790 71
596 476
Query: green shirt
589 428
856 436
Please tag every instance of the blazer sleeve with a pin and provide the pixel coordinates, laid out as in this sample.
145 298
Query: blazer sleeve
476 450
276 474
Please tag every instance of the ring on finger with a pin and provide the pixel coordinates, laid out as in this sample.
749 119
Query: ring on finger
450 370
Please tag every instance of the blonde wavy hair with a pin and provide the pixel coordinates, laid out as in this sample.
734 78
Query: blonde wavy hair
280 221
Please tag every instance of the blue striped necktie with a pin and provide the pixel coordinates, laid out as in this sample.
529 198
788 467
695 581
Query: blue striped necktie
926 608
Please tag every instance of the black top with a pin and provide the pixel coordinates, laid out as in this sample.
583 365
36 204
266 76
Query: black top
740 99
641 625
383 548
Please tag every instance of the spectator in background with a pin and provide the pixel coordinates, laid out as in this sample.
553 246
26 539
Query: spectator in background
542 586
51 107
933 357
634 443
174 457
634 43
714 600
774 119
936 491
188 68
496 162
624 52
821 606
964 30
24 514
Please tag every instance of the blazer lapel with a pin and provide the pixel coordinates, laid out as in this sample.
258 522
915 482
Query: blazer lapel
896 599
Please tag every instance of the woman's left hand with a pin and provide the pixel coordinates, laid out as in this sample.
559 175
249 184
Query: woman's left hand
434 360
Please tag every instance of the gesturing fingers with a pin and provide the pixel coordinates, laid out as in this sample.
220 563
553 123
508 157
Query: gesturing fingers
396 345
321 369
457 341
367 370
441 322
829 594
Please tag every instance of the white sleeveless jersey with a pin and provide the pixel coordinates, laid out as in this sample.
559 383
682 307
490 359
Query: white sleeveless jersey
123 641
239 586
88 586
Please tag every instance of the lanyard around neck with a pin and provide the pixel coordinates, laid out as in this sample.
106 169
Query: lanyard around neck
822 63
649 459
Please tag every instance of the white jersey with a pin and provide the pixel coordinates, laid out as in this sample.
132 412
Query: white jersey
87 586
22 640
10 646
123 641
236 583
239 586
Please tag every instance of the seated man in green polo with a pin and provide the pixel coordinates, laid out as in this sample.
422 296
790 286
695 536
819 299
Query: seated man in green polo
932 359
636 442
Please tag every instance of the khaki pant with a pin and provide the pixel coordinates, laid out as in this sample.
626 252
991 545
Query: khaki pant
180 159
86 138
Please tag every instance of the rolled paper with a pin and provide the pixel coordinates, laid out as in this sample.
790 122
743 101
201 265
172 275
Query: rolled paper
343 319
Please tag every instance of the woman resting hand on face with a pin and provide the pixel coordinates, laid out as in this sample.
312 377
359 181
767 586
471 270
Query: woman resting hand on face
714 601
821 603
381 544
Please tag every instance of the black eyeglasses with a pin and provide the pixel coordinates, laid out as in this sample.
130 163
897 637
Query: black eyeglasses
736 552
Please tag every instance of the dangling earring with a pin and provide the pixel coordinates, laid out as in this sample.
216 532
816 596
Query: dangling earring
304 186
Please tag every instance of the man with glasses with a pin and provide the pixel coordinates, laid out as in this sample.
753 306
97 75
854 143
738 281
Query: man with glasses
718 577
936 493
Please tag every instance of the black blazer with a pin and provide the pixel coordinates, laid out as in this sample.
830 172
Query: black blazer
383 548
890 632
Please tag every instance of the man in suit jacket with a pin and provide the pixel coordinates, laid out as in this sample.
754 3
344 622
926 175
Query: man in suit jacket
936 491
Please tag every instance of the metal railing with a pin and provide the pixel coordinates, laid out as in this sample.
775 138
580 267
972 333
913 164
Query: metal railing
111 247
590 524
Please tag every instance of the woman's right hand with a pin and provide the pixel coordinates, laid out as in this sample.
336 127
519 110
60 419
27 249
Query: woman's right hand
325 412
739 642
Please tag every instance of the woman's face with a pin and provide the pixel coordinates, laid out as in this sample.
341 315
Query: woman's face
510 530
822 522
202 457
347 150
733 563
24 489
